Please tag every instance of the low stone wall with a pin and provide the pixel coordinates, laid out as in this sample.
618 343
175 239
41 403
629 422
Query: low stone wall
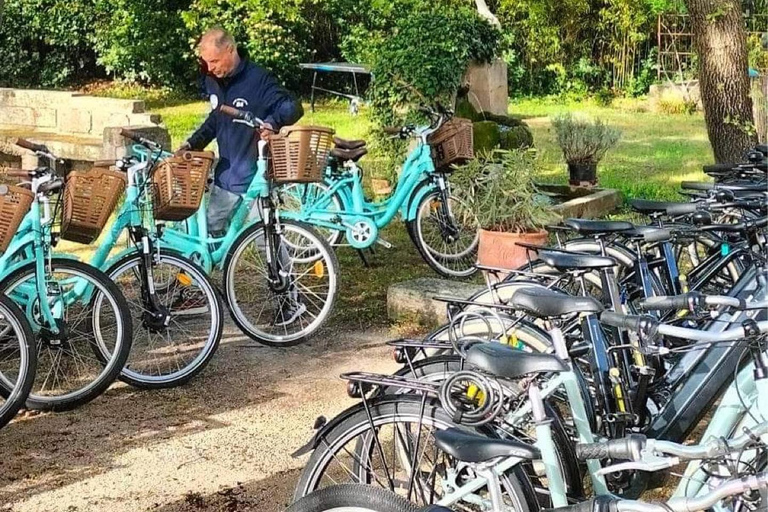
413 300
74 126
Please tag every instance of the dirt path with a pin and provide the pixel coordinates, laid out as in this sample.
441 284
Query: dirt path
222 442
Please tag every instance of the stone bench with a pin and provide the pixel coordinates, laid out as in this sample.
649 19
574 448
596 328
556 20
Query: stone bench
413 300
74 126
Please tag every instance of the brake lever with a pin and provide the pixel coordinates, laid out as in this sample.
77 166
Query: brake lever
649 463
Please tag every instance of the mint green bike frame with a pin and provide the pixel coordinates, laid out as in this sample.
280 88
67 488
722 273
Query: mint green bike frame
412 186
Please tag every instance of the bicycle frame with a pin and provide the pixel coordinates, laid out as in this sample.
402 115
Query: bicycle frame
32 243
416 170
197 245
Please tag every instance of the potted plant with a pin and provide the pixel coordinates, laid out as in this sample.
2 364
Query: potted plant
584 144
500 191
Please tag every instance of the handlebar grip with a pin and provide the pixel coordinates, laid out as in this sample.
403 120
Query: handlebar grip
16 174
626 448
392 130
233 112
674 302
130 134
682 209
51 186
104 163
26 144
628 322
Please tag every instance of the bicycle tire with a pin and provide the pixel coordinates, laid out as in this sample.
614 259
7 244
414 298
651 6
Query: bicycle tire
355 420
135 377
460 265
108 291
16 393
352 498
330 264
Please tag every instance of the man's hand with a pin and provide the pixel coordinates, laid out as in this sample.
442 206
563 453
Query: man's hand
266 130
184 147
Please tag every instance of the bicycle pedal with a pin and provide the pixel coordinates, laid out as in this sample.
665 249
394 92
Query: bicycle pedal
384 243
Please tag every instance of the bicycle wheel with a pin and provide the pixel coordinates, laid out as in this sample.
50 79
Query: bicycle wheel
352 498
446 235
18 359
384 449
175 339
294 195
90 312
270 315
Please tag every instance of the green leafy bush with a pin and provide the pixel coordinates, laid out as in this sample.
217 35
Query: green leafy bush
144 41
424 58
46 43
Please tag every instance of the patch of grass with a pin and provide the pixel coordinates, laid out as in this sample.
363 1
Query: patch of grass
655 153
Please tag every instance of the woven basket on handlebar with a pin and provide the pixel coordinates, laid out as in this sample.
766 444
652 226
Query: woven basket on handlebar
452 143
89 199
14 205
179 184
299 153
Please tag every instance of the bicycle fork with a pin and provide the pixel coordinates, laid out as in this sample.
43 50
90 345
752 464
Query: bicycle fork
156 315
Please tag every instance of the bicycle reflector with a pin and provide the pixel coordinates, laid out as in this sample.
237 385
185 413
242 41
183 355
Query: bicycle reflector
184 279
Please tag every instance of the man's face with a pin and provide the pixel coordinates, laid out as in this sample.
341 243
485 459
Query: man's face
220 61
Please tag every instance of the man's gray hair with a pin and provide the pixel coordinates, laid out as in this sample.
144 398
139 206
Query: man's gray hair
218 37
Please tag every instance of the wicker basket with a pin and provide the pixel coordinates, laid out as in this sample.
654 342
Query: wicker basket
89 199
299 153
452 143
179 184
14 205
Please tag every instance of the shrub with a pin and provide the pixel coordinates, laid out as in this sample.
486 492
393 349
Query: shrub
425 57
144 41
499 189
584 141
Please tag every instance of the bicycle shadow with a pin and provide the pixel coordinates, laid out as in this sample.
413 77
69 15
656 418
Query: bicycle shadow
45 453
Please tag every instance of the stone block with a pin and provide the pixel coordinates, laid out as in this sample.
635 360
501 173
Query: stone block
413 300
72 120
38 117
115 145
33 98
488 89
108 104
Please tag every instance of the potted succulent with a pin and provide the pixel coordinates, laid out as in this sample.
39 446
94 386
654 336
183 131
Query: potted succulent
500 191
584 144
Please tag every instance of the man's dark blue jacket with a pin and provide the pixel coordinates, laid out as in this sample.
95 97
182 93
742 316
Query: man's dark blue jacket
249 88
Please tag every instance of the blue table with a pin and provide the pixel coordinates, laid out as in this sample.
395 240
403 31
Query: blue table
355 100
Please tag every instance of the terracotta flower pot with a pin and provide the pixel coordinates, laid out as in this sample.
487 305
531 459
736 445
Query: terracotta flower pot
498 249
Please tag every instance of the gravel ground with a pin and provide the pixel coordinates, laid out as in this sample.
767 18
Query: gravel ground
220 443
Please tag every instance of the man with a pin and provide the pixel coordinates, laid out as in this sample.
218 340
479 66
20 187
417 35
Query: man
240 83
235 81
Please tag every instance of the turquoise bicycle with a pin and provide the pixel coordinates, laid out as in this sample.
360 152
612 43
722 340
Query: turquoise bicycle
280 277
80 320
176 309
440 224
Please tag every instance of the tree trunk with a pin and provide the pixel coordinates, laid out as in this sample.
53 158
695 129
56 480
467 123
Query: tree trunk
720 40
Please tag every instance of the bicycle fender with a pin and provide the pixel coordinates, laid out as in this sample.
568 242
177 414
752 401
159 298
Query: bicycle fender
408 211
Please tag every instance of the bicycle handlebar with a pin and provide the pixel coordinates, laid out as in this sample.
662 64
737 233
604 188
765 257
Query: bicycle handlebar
242 115
699 503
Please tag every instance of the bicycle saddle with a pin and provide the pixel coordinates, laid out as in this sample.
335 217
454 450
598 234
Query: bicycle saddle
510 363
544 303
348 144
562 260
475 448
348 155
596 226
